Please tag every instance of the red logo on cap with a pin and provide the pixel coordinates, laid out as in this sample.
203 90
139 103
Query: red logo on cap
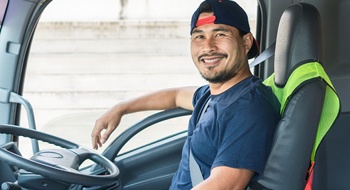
206 20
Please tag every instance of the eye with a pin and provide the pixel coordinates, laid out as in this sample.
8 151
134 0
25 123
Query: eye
219 34
198 37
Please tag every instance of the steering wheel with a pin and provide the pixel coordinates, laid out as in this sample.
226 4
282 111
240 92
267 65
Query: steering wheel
62 174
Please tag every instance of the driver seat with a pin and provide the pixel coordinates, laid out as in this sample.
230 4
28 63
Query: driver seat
309 104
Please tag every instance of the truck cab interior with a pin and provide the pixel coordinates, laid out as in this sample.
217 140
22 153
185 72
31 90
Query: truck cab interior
304 33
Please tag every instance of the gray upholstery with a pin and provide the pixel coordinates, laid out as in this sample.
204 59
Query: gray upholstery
298 42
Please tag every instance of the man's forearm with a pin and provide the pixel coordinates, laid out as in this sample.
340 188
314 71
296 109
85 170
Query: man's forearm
160 100
223 178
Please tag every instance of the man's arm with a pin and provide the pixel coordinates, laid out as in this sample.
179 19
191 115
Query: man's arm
160 100
223 177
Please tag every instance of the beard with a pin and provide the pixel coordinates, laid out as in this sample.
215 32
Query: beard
221 76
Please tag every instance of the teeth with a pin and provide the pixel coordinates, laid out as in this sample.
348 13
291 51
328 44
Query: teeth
210 60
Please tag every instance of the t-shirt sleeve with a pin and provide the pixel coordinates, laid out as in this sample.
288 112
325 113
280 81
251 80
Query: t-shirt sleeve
199 94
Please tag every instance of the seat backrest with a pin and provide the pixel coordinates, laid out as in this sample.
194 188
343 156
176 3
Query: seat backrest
303 88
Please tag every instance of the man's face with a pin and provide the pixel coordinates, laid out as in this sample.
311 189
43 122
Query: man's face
218 51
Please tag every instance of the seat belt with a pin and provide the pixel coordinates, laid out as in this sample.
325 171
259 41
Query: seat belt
267 53
195 171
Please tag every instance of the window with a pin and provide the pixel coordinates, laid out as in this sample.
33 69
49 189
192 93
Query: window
99 58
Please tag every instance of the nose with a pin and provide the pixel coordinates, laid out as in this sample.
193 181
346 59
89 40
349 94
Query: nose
209 45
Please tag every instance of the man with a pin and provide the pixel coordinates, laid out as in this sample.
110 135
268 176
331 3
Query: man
234 117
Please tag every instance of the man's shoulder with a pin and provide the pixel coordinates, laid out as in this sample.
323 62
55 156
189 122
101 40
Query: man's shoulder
201 93
258 93
252 97
202 90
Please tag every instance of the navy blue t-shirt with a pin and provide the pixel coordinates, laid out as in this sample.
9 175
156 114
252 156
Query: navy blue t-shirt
236 130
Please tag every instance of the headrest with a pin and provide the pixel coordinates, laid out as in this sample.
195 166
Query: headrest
299 40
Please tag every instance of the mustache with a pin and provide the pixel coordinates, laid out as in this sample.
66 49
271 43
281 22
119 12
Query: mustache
212 54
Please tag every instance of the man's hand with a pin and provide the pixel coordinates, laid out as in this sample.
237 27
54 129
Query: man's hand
109 122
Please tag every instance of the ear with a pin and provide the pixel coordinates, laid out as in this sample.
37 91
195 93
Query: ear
248 41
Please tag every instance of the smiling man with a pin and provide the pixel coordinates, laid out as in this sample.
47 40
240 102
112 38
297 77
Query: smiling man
234 116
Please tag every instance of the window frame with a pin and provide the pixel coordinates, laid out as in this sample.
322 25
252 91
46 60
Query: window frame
3 9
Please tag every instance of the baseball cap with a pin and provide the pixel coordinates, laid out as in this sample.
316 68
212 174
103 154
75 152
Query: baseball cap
229 13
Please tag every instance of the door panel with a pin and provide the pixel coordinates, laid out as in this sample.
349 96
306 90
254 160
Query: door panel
153 166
